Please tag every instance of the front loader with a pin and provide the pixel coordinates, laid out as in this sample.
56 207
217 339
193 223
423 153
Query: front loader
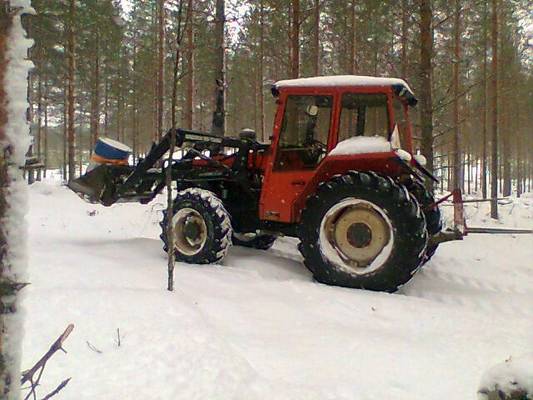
340 175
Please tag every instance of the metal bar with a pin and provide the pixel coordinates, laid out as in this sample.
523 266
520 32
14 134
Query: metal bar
156 152
483 200
446 236
210 160
499 230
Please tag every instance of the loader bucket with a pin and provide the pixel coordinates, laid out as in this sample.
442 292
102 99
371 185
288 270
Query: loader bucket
96 186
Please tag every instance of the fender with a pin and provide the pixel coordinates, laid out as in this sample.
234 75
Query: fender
386 163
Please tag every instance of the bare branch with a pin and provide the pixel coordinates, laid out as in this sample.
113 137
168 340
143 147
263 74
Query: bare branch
57 389
27 376
90 346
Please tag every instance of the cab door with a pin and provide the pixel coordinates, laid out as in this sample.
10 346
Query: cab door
300 144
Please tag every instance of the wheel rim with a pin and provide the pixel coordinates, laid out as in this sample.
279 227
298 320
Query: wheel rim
190 231
356 236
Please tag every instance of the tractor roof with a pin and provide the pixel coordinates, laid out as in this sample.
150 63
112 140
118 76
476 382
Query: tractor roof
399 85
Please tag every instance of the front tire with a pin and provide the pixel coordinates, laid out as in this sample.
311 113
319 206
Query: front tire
362 230
202 227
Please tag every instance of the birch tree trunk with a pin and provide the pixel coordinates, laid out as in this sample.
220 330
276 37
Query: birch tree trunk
12 232
5 22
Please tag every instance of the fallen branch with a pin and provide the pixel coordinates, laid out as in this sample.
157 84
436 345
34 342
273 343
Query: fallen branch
57 389
28 376
90 346
118 337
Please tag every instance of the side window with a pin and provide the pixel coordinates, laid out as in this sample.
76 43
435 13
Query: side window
304 132
364 115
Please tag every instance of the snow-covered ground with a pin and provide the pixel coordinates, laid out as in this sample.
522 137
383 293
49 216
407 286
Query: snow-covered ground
259 327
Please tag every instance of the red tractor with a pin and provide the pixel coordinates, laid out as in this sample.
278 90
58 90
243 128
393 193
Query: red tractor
340 175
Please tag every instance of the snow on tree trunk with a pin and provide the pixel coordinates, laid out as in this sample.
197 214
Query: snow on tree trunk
14 142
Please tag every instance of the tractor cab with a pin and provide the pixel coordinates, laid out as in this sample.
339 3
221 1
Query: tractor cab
327 125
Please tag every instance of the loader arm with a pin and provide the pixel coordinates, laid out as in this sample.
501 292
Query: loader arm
108 184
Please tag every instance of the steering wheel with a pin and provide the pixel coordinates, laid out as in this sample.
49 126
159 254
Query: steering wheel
313 153
318 144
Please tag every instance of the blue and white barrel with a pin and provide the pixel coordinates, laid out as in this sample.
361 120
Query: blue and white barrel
109 151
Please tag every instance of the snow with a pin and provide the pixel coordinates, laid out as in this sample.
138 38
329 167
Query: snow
362 145
116 144
342 80
17 132
421 159
512 375
404 155
258 326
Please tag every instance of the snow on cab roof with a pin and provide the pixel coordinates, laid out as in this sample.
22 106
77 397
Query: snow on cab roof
342 80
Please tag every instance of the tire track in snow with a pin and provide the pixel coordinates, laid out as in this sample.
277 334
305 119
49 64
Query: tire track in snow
470 282
468 292
510 306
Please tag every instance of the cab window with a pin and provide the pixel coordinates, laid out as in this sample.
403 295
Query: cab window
401 123
304 132
363 115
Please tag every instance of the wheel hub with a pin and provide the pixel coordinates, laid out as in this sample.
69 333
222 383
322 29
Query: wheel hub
359 235
355 234
190 231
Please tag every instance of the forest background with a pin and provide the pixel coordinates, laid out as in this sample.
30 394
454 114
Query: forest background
106 68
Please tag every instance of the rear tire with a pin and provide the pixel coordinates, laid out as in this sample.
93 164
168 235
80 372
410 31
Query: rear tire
254 241
362 230
202 227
